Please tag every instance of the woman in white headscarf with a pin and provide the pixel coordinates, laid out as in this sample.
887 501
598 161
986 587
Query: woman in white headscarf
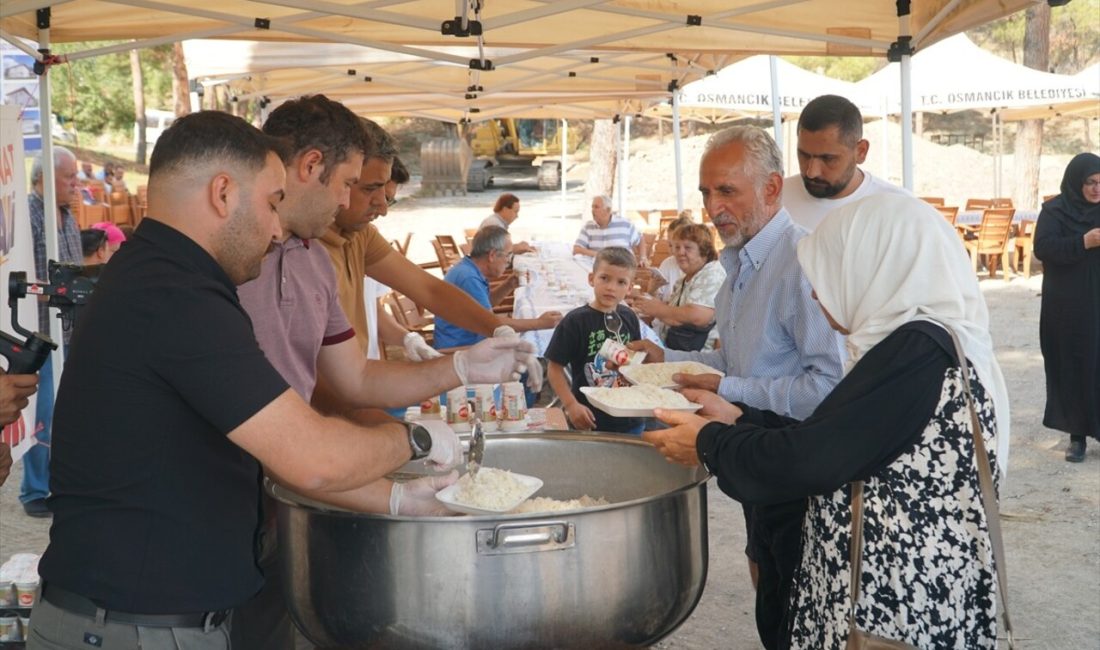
891 274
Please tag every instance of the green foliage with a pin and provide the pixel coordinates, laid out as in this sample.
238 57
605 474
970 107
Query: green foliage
1074 36
96 94
846 68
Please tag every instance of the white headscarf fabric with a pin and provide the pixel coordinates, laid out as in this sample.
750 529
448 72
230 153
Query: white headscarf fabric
889 259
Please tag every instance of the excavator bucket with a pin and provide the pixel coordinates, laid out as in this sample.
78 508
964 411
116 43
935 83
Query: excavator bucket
444 166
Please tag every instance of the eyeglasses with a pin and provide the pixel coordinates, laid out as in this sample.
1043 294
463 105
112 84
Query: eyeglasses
1092 182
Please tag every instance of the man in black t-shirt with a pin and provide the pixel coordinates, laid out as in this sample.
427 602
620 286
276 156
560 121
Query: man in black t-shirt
578 337
168 406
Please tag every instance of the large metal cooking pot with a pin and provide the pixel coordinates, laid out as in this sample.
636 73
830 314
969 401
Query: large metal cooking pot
621 575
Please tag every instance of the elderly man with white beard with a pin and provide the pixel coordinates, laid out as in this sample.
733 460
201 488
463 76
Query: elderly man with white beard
777 350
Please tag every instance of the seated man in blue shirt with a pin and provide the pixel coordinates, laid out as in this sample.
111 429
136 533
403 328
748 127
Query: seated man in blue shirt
490 254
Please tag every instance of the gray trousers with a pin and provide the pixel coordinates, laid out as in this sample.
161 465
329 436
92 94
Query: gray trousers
53 628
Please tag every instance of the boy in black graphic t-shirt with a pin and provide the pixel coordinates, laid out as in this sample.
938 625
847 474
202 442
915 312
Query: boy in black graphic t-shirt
578 337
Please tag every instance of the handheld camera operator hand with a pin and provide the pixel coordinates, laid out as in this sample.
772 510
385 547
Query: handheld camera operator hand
15 391
530 358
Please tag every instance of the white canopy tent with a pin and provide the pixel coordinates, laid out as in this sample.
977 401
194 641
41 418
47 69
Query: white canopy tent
956 75
1088 108
757 86
745 88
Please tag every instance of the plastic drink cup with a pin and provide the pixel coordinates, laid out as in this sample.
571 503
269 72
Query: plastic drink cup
429 409
513 407
7 594
25 593
485 405
458 409
9 628
614 352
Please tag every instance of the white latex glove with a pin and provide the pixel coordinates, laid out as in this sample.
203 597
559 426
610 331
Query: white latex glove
493 361
530 360
417 349
446 449
504 331
417 497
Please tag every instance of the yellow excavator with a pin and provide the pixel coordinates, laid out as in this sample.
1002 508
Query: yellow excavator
516 150
513 151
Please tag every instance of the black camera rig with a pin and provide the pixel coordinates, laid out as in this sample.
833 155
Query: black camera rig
69 288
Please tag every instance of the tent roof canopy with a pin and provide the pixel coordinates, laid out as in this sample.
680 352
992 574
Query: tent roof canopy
539 27
508 46
606 83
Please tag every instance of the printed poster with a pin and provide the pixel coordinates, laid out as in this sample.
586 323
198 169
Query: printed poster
16 254
19 87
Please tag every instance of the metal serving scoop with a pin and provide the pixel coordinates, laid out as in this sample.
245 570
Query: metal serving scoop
477 444
614 324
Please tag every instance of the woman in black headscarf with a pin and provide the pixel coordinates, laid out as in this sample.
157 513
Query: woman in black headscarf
1067 240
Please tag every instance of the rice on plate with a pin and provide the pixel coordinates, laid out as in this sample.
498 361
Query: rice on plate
660 374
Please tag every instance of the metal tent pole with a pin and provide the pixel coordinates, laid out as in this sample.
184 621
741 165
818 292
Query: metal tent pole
676 147
49 187
903 51
564 160
777 119
624 179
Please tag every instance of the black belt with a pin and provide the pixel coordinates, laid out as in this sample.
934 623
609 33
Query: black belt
77 604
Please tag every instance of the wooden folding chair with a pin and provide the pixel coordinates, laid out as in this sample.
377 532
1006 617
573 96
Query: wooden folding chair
648 239
1024 244
142 204
662 230
410 315
661 250
991 240
1003 202
446 251
933 200
949 212
977 204
469 233
449 245
120 208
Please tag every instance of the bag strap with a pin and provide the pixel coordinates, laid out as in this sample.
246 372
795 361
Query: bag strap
985 482
855 548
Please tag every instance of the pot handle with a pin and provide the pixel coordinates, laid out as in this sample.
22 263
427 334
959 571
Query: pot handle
525 537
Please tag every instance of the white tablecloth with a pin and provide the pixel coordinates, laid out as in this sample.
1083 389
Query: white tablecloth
554 280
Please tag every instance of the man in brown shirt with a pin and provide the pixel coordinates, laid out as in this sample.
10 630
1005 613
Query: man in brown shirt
357 250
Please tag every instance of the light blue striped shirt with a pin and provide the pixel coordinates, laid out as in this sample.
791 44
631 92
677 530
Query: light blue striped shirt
619 232
778 351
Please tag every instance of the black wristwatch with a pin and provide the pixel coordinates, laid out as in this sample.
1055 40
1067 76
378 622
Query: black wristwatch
420 440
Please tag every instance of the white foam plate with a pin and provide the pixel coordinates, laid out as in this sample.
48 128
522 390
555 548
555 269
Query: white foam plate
446 496
621 412
689 367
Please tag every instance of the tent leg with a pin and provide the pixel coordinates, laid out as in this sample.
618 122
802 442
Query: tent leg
676 147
